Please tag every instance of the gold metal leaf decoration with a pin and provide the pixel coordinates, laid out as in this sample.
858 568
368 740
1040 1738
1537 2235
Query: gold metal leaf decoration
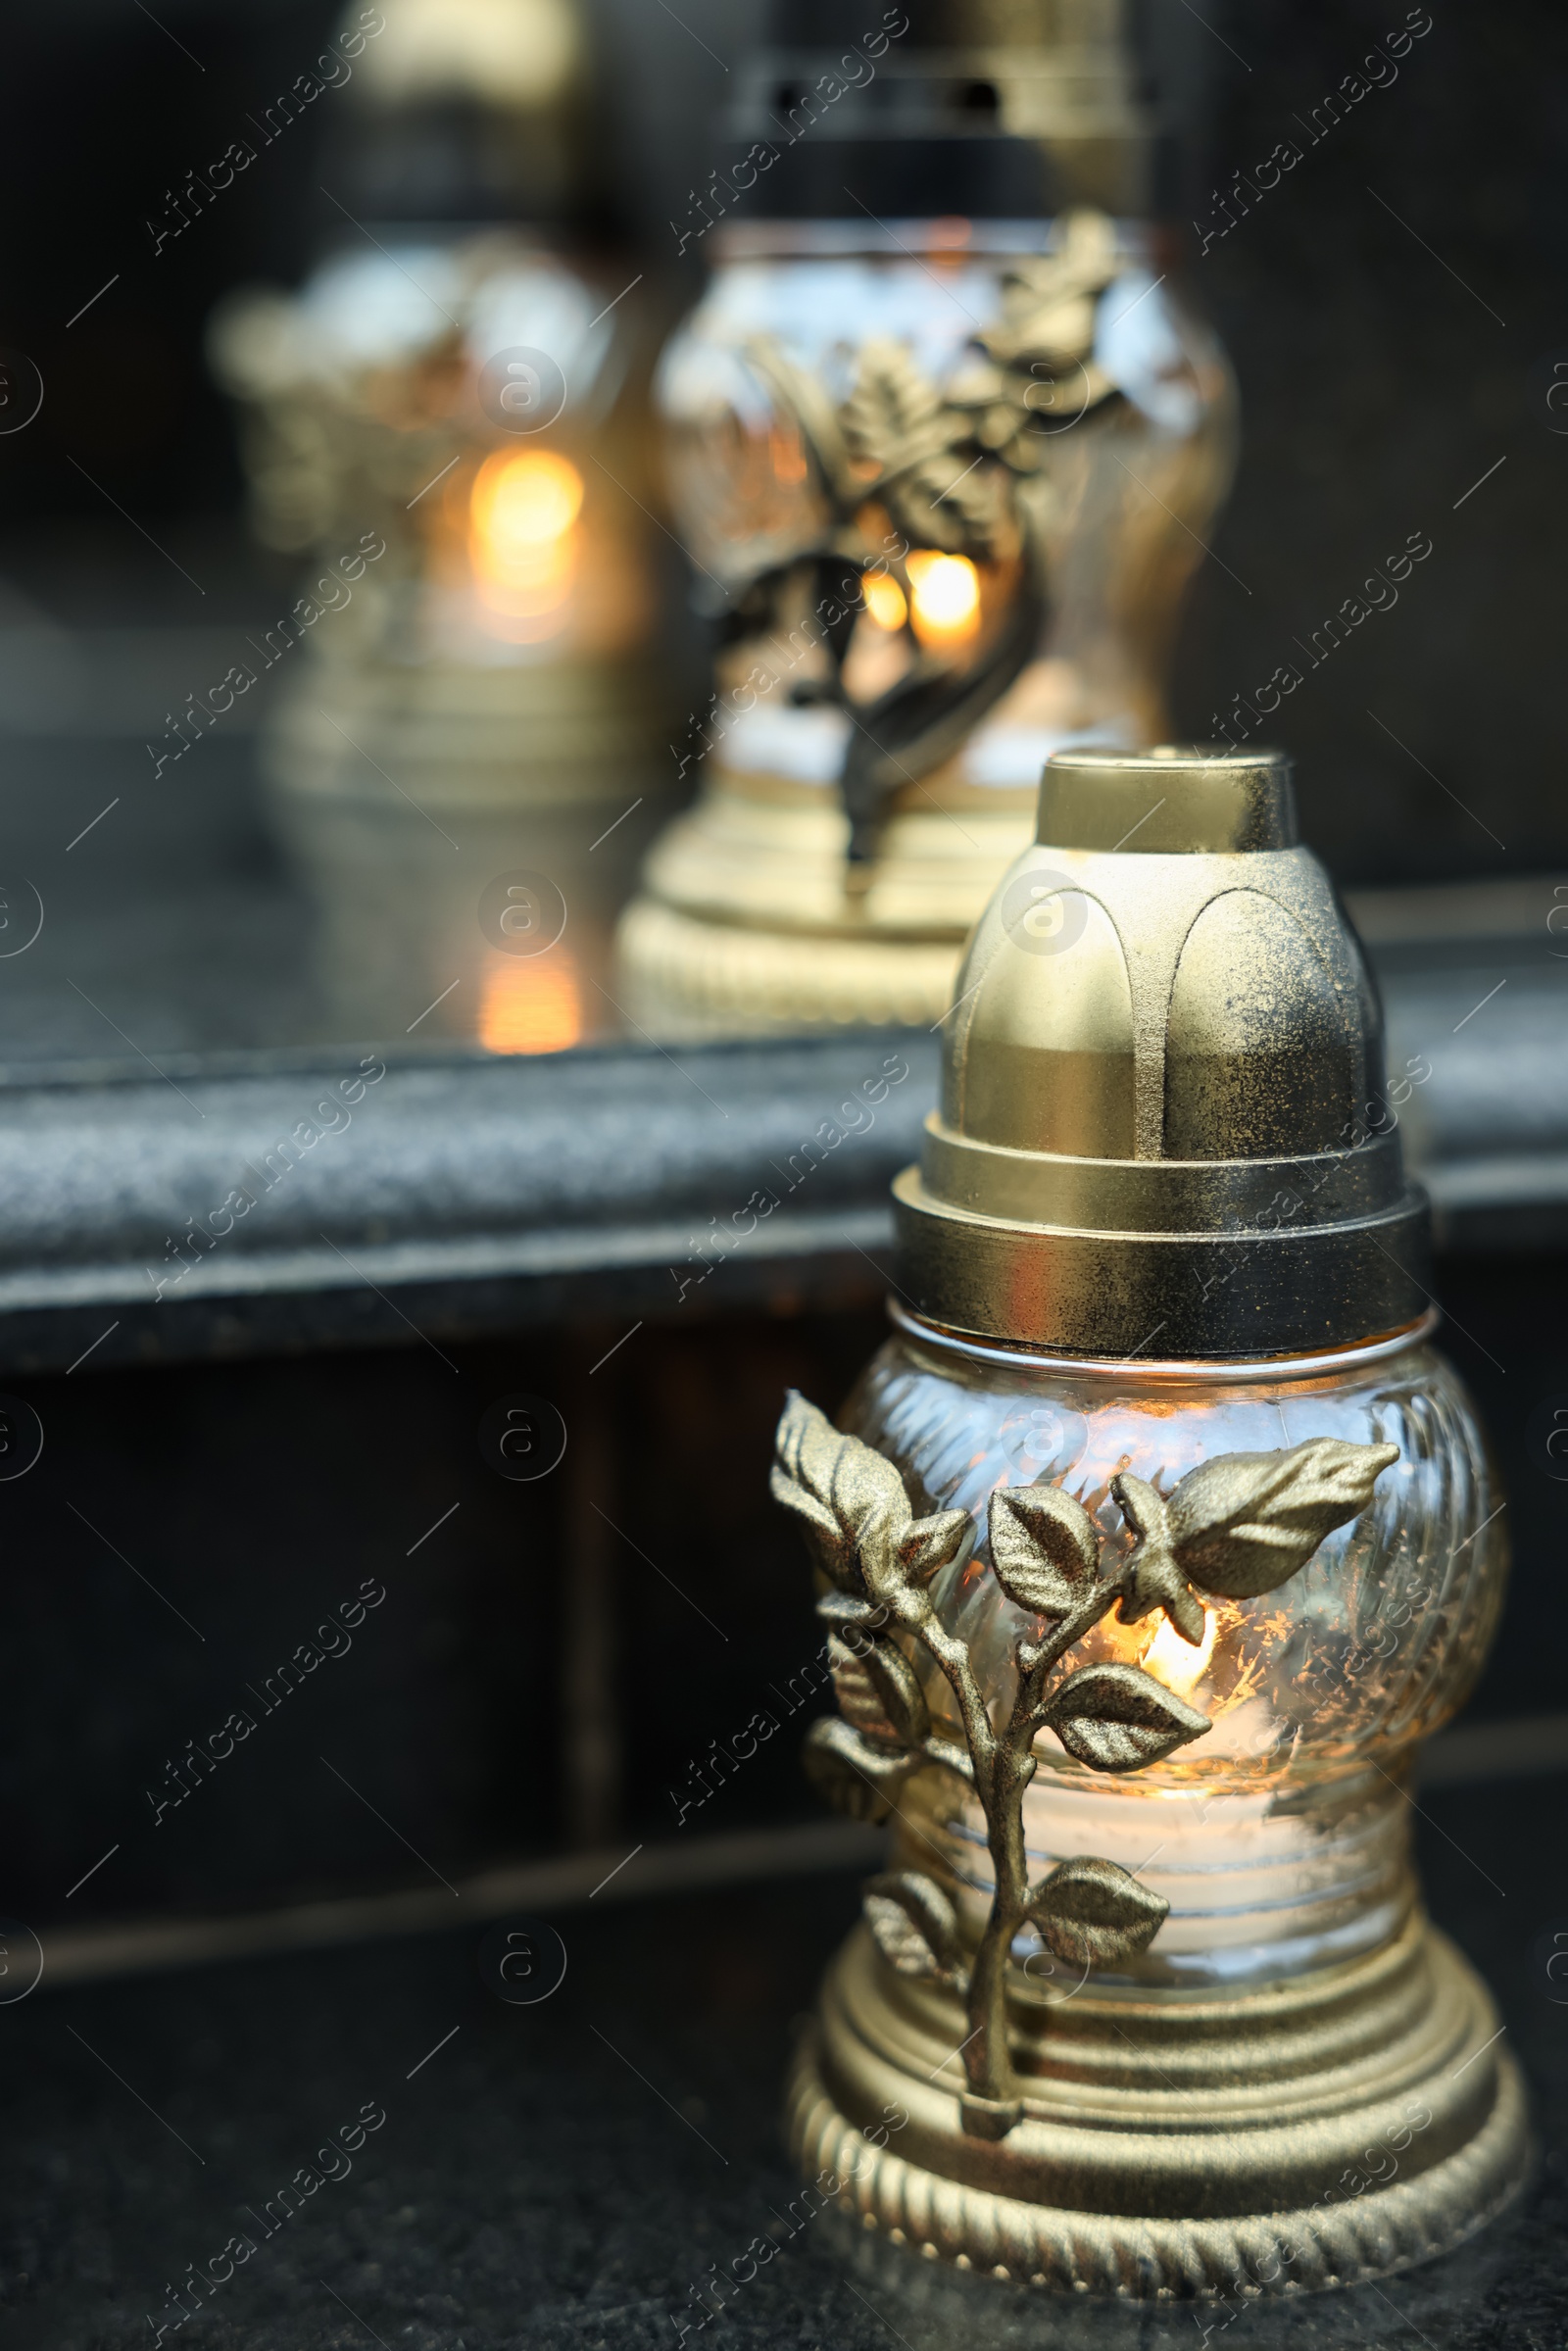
897 1686
860 1702
966 467
894 416
947 502
1245 1522
840 1488
904 436
857 1517
1093 1913
933 1542
1153 1579
1048 299
1044 1548
1116 1718
843 1610
1239 1525
854 1774
916 1926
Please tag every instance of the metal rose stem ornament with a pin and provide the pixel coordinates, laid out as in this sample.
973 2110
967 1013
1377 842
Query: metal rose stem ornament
962 474
1243 1524
1153 1544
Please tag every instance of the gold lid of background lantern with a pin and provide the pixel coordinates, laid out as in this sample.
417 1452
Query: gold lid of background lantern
1162 1129
520 55
511 77
1063 75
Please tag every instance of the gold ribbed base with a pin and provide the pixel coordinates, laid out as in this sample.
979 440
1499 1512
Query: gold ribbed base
685 977
747 923
539 734
401 793
1180 2147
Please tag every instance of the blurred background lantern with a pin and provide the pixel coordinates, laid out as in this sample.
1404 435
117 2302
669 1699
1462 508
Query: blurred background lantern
945 447
449 408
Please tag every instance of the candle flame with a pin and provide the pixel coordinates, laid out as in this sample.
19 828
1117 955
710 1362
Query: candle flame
530 1004
945 609
1175 1661
884 601
523 535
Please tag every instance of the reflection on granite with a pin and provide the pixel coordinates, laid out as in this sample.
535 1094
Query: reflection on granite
189 912
182 1011
488 927
571 2174
170 925
184 919
192 908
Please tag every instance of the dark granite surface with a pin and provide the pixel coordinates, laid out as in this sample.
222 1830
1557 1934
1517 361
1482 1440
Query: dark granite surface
145 1221
1364 303
189 1005
305 1199
567 2174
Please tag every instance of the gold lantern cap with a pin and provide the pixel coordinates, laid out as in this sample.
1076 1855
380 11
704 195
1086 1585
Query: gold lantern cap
1172 800
1164 1125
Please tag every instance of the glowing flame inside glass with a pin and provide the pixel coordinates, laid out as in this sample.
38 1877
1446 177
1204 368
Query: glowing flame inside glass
530 1004
524 537
945 600
1176 1662
884 601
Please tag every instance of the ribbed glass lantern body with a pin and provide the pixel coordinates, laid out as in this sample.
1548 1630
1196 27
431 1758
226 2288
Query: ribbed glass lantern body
1281 1837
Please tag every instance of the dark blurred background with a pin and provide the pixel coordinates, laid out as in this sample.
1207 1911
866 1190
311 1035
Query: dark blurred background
1393 309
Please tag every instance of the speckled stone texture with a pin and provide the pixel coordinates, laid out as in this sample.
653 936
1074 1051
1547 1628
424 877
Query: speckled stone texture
566 2176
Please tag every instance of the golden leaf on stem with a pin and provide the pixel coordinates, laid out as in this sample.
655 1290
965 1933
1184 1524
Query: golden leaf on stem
916 1926
895 1681
838 1487
1093 1912
1244 1522
1153 1579
892 405
1116 1718
855 1775
1044 1548
932 1543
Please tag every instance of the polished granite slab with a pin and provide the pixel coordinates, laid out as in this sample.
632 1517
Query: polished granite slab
223 1206
566 2176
